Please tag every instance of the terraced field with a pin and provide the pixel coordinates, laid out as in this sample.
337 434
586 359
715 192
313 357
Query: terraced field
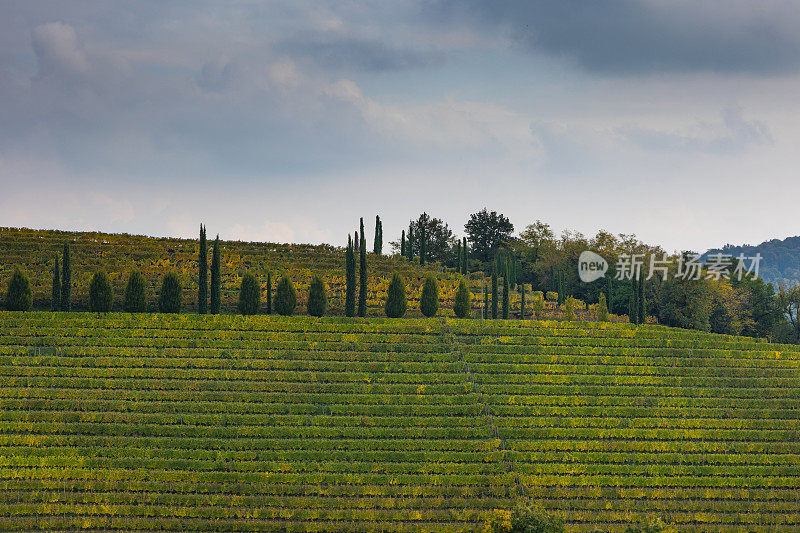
264 423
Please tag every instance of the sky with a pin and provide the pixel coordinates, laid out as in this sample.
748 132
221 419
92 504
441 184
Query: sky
286 121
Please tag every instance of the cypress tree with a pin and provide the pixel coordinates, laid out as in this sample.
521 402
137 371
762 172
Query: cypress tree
485 299
202 265
362 278
396 303
350 279
101 297
466 256
285 297
18 296
494 290
633 306
506 292
461 303
410 243
378 244
169 300
458 257
356 240
522 301
66 279
135 300
269 293
602 309
422 244
249 295
317 298
429 297
216 287
55 298
403 245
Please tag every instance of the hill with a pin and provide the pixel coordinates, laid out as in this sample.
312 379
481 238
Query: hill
780 264
182 422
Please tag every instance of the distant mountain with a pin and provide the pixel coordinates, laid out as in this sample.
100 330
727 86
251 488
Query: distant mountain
780 263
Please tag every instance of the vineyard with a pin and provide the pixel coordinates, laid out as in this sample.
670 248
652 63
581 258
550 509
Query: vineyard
178 422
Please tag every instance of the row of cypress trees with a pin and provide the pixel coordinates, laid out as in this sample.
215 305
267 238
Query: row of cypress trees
350 307
396 301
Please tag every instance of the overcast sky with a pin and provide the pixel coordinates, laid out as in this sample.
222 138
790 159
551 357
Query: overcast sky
675 120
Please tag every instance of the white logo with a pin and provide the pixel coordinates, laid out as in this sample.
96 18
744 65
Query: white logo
591 266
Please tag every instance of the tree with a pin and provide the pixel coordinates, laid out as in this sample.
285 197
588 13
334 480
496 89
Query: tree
488 232
169 300
458 257
135 300
202 265
485 299
216 288
101 297
569 308
789 305
362 277
350 279
465 262
249 295
538 308
602 309
396 297
285 297
494 290
66 279
410 243
429 297
378 244
317 297
422 245
461 303
403 245
528 519
55 298
18 296
522 301
506 292
269 293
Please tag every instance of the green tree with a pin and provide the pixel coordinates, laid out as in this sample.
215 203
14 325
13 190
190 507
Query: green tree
169 300
485 299
458 257
378 243
18 296
522 301
422 245
66 279
403 245
55 298
410 243
506 292
569 308
495 295
317 297
538 308
362 276
465 263
602 309
216 280
429 297
135 300
350 279
396 297
488 232
101 297
269 293
285 297
461 303
249 295
202 266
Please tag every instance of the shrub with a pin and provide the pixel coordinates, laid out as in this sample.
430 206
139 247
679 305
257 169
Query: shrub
396 297
285 297
429 297
135 296
169 300
101 297
18 297
538 308
527 520
602 309
552 296
461 304
569 308
318 297
249 295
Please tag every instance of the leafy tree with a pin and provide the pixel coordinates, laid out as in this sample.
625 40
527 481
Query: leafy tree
439 240
18 296
55 298
362 277
317 297
202 265
378 244
602 309
350 279
488 232
569 308
285 297
396 297
101 297
169 300
461 303
789 305
269 293
528 519
429 297
249 295
538 308
216 280
506 292
135 300
494 291
66 279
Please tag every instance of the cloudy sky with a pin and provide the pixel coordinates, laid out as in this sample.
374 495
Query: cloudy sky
676 120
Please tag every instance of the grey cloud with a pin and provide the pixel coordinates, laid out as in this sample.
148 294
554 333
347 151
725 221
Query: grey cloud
57 51
633 37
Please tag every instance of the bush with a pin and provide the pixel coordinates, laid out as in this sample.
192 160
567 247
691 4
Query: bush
249 295
538 307
18 297
552 296
527 520
602 309
429 297
135 296
461 304
285 297
101 298
569 309
318 297
169 301
396 297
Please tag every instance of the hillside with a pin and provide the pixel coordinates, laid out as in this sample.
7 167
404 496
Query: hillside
780 264
265 423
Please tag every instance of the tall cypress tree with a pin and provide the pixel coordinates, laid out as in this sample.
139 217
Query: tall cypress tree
202 265
506 292
216 288
378 244
410 243
422 244
403 245
350 279
485 299
66 279
269 293
494 290
458 257
356 241
55 298
466 256
362 278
